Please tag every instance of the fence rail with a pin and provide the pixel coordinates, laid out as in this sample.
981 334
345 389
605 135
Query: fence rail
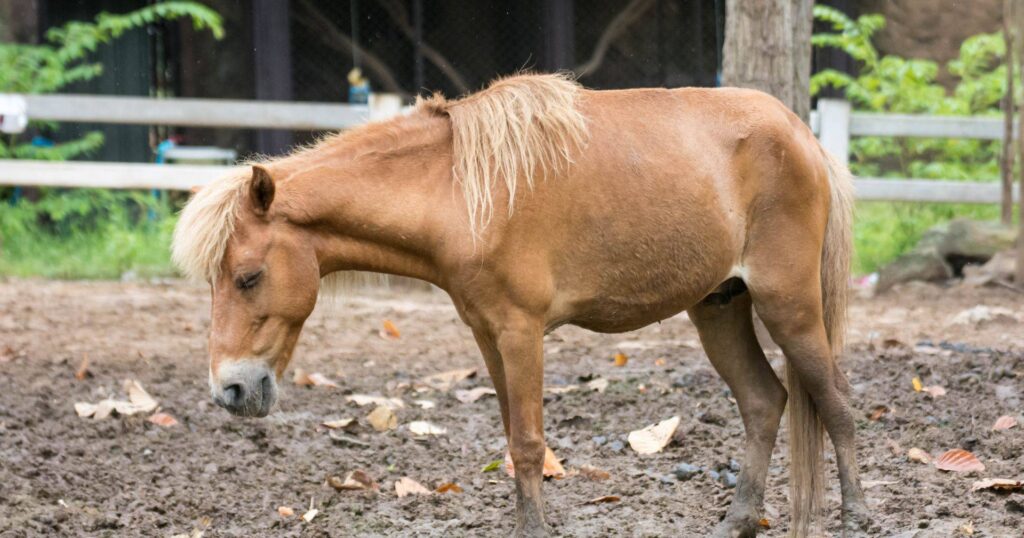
833 122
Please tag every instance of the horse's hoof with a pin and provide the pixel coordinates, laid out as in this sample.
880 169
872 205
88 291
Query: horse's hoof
745 526
857 522
537 530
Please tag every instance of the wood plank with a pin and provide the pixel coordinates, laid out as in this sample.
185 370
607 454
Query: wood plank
927 190
107 175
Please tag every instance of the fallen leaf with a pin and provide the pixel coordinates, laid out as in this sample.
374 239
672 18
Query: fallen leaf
599 384
593 473
1004 422
407 486
425 404
83 369
139 397
448 487
422 427
918 455
285 511
934 391
315 379
382 418
355 480
959 461
764 523
966 529
604 499
363 399
660 361
339 424
492 466
620 359
85 410
916 382
552 466
878 412
444 381
390 331
310 514
653 438
472 395
561 389
868 484
998 484
163 419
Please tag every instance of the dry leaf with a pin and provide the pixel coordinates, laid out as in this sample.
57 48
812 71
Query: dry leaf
878 412
83 369
138 396
934 391
918 455
85 410
998 484
472 395
561 389
621 359
315 379
444 381
163 419
552 466
604 499
967 529
653 438
593 473
916 382
285 511
958 461
382 418
599 384
660 361
868 484
310 514
425 404
764 523
363 399
339 424
448 487
356 480
390 331
1004 422
422 427
407 486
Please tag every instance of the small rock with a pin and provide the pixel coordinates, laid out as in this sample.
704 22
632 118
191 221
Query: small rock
599 440
686 471
616 446
728 479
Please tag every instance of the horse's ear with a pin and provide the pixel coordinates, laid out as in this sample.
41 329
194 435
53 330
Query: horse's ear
261 189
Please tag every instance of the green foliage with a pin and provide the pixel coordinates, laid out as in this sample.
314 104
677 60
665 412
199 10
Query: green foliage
892 84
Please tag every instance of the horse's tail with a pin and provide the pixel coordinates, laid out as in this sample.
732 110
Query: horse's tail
807 480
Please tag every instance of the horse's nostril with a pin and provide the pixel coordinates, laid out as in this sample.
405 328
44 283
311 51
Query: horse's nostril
233 394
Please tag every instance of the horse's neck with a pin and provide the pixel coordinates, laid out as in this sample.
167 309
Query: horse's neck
387 211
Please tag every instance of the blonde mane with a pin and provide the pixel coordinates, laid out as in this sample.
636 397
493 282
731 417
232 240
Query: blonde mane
518 128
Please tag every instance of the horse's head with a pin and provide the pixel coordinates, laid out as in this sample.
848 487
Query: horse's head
264 281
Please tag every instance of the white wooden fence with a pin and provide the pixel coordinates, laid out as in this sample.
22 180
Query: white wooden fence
833 122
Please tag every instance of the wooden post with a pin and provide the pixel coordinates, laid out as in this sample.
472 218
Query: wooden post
1015 14
1006 162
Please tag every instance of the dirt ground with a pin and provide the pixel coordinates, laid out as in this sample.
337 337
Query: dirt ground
225 476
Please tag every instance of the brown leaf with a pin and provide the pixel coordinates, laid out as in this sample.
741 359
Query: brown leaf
918 455
139 397
593 473
604 499
998 484
449 487
364 399
382 418
916 383
660 361
620 359
958 461
1004 422
407 486
339 424
877 412
356 480
285 511
83 369
163 419
653 438
315 379
764 523
390 331
444 381
422 427
552 466
934 391
472 395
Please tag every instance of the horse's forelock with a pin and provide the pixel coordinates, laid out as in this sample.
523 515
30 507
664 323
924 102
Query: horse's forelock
206 224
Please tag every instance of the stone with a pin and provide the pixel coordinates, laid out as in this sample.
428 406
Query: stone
685 471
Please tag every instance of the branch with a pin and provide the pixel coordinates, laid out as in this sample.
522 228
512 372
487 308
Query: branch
620 23
334 38
401 18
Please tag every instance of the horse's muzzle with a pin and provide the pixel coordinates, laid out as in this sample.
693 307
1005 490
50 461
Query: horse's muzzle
244 388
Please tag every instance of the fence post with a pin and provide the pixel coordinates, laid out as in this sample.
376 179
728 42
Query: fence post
834 130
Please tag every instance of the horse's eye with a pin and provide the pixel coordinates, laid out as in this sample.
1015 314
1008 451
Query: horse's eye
248 281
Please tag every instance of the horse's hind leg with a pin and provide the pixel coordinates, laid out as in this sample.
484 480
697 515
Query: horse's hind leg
727 333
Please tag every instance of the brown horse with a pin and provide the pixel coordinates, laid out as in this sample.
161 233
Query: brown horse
536 203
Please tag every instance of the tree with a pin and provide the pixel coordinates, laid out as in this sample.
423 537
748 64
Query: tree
768 47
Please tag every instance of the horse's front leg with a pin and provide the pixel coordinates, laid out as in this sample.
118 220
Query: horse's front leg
520 346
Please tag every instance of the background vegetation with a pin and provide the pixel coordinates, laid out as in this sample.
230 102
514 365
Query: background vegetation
95 233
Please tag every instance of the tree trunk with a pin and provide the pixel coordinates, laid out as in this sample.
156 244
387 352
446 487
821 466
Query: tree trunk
768 47
1006 164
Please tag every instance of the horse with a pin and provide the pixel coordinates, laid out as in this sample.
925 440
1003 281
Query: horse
536 203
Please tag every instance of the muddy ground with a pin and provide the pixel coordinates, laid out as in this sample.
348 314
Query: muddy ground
123 476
